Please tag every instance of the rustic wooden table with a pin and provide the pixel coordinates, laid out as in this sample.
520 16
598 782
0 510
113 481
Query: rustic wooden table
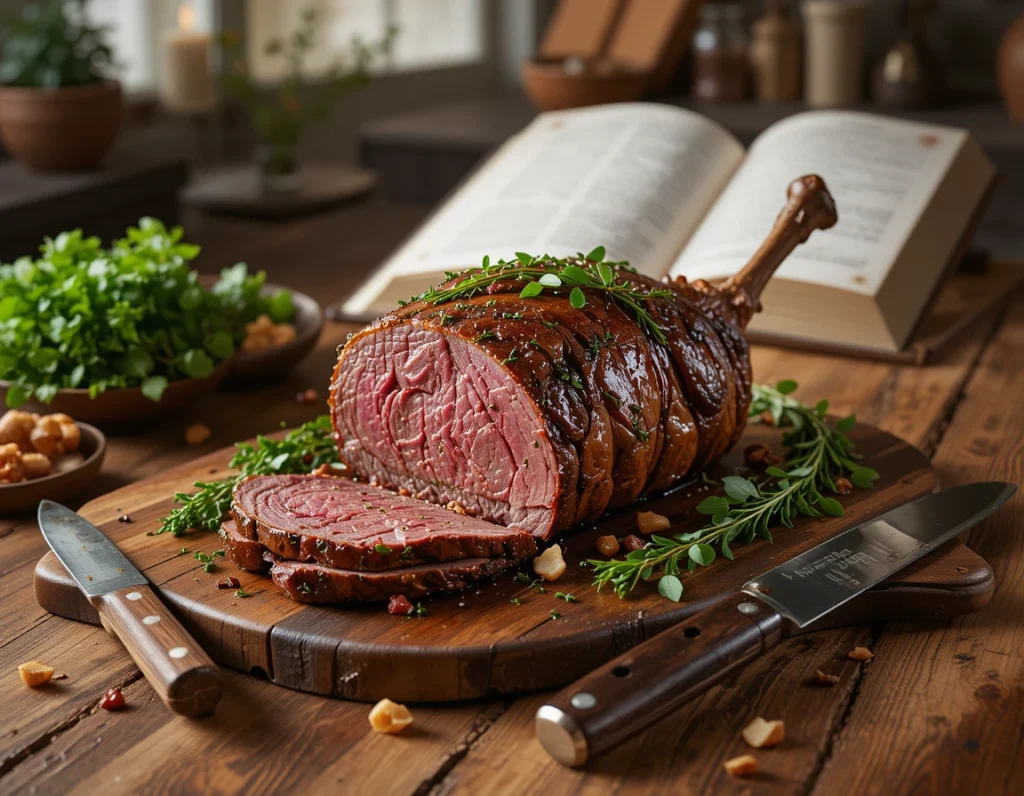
940 709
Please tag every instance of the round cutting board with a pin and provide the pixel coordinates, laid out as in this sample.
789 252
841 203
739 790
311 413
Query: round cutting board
506 636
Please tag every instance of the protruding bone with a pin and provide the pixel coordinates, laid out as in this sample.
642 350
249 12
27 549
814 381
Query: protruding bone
809 207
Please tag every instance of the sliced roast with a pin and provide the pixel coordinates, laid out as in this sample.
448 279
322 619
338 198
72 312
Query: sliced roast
313 583
241 551
338 523
536 413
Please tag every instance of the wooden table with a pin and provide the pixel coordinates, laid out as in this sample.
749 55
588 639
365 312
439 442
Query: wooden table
940 709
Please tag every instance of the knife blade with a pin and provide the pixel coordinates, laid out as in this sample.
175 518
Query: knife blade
177 668
654 678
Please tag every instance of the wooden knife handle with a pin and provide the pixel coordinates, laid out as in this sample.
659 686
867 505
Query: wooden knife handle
633 691
183 675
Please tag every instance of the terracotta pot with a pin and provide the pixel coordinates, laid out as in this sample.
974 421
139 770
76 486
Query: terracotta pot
1010 69
60 129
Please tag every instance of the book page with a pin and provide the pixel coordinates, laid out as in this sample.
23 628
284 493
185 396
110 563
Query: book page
635 178
881 172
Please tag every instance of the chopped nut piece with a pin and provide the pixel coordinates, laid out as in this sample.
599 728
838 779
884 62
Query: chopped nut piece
742 766
390 717
607 545
860 654
647 522
550 565
197 434
634 542
760 454
760 733
458 508
843 486
825 678
34 673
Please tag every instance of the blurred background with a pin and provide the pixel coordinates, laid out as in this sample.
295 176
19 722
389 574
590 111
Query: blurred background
275 108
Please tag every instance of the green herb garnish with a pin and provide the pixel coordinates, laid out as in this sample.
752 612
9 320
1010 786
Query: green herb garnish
242 593
133 315
559 595
818 454
301 450
383 549
575 274
208 560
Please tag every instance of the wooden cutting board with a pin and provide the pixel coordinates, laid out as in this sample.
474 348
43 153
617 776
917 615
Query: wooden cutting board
479 642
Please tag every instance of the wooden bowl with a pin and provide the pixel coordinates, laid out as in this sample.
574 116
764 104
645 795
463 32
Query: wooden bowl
273 364
554 84
124 409
66 480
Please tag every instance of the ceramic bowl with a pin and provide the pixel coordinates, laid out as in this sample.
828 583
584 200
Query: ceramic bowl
554 84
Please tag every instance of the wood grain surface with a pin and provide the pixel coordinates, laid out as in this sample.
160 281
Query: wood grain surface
477 642
925 715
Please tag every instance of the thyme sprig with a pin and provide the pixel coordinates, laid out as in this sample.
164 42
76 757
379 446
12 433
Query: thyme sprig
584 271
817 454
301 450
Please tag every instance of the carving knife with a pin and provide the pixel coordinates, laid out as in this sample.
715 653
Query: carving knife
658 676
181 673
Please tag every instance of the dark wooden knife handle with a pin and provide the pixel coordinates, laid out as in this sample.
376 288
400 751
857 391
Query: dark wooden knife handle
633 691
177 668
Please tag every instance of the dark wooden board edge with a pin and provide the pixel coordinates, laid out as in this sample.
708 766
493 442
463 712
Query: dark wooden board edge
950 582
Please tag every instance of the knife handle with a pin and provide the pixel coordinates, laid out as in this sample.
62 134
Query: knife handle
177 668
654 678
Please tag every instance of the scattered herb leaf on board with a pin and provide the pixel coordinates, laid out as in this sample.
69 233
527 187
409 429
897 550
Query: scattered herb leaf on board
817 454
132 315
570 274
301 450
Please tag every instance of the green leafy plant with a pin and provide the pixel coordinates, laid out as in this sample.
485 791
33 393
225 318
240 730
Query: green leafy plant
281 113
818 454
131 315
300 450
51 45
567 275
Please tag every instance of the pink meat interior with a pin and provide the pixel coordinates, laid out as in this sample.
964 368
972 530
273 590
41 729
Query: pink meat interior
437 415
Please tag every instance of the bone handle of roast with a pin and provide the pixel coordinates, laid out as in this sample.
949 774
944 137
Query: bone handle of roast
809 206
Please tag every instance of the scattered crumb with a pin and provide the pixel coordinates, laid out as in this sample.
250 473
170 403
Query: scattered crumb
197 434
389 717
550 565
843 486
634 542
647 522
458 508
761 734
825 678
34 673
860 654
742 766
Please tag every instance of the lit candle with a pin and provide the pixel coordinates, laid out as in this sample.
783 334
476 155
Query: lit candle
186 85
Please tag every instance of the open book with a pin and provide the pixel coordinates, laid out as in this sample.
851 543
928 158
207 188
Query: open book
674 193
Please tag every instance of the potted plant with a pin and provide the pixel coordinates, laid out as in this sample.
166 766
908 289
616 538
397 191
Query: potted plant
58 110
281 113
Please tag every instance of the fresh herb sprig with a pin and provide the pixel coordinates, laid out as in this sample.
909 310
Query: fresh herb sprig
818 453
584 271
301 450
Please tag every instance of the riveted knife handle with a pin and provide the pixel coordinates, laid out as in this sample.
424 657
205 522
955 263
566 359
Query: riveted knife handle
633 691
177 668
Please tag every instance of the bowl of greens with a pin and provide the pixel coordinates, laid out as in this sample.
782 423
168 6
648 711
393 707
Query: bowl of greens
118 335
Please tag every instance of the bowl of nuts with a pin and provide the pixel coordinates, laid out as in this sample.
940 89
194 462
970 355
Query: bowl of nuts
269 350
45 456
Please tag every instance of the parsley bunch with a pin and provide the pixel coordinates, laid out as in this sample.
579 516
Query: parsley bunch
818 454
300 450
132 315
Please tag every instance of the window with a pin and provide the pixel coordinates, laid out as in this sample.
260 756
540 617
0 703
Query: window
433 33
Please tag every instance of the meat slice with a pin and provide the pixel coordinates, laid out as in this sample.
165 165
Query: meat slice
338 523
547 411
313 583
241 551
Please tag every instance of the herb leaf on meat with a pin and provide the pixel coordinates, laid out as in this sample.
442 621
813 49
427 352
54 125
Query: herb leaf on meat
818 454
571 274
